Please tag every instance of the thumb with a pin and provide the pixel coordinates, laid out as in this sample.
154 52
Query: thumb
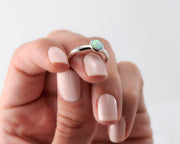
75 121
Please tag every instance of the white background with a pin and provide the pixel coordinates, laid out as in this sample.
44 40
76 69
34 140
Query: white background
146 32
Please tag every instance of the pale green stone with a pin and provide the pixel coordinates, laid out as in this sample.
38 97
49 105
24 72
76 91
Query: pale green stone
97 45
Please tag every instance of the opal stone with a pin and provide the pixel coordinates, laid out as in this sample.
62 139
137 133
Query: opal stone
97 45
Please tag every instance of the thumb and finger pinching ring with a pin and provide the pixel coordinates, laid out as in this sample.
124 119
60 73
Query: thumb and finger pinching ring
94 45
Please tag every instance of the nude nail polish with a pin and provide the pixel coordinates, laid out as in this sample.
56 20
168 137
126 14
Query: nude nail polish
107 108
117 131
56 55
94 65
69 86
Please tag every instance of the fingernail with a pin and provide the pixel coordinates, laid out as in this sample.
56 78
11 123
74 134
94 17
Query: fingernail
69 85
107 108
117 131
56 55
94 65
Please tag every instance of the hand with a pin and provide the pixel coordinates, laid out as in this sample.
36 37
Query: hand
88 98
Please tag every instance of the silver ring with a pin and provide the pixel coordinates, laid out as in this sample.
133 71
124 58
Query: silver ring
95 45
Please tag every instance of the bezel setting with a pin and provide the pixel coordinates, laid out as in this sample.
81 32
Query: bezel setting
96 45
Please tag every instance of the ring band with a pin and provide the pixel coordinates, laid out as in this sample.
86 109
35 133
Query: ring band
95 45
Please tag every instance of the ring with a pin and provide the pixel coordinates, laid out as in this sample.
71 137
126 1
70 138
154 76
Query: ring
95 45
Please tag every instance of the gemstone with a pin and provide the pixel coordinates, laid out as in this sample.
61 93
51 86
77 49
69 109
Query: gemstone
97 45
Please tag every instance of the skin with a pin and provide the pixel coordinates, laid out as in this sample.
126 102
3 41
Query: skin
32 111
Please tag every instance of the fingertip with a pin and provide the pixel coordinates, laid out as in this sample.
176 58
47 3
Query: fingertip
94 65
56 55
117 131
86 69
107 110
107 107
58 59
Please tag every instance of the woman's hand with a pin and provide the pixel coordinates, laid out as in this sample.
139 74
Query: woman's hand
93 102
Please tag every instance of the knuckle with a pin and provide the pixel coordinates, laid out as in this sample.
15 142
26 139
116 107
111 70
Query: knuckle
19 50
57 32
67 126
131 68
36 43
41 45
67 121
131 95
77 39
40 41
80 40
114 77
43 42
29 48
70 126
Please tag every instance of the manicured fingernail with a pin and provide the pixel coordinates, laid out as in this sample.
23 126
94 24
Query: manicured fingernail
69 85
94 65
107 108
56 55
117 131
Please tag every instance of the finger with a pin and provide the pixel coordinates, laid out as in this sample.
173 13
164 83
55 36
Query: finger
107 95
145 140
141 129
132 87
75 122
27 71
88 64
